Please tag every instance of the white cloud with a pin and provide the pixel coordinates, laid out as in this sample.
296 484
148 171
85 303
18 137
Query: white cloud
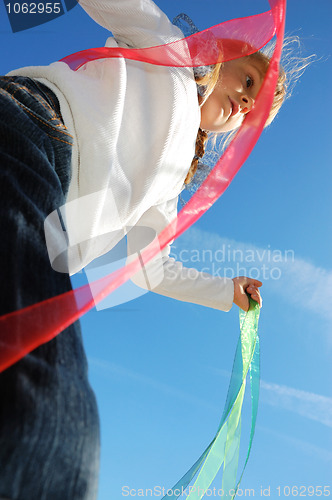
118 370
297 280
308 448
307 404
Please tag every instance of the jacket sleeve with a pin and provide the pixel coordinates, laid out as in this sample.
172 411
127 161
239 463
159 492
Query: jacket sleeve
166 276
137 23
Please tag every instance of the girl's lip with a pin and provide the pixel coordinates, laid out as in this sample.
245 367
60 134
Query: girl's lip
235 108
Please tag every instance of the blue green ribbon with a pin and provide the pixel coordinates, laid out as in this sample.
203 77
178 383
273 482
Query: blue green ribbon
224 447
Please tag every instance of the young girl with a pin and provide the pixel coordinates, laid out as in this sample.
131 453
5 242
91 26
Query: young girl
124 137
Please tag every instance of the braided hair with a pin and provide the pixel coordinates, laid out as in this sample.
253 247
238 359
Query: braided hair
201 139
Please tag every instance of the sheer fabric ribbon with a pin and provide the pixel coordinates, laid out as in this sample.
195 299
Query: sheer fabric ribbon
24 330
224 448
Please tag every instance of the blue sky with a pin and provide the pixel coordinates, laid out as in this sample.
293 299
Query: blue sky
160 368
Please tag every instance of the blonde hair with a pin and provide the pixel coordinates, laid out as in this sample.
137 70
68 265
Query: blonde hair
294 68
208 81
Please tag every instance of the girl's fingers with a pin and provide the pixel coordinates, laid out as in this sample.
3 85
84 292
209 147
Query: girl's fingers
252 288
254 293
242 285
255 283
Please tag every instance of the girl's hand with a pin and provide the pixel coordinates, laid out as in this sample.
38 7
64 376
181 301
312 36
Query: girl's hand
243 285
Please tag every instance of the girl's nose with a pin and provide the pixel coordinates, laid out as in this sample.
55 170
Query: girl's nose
247 104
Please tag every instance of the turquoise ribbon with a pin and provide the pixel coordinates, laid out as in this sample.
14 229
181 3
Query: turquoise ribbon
225 446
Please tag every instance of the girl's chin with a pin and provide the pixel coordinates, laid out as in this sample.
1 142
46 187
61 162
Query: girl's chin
220 128
229 126
214 125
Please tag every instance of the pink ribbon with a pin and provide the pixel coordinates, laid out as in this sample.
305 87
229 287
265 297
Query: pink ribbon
24 330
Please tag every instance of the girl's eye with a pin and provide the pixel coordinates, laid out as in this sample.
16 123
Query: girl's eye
249 81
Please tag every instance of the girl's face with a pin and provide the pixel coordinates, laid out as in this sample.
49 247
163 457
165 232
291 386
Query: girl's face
233 96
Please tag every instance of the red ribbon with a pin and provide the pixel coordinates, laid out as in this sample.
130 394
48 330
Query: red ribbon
24 330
